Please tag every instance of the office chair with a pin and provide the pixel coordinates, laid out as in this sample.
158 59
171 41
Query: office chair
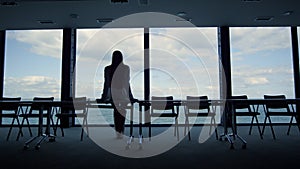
243 109
73 108
11 110
164 107
34 113
276 105
198 106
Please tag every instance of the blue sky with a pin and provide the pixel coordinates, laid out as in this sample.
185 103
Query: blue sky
184 61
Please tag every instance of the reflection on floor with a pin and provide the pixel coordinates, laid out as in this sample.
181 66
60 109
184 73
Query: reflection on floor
103 150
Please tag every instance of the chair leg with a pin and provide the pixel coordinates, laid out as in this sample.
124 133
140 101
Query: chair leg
273 133
19 125
216 130
56 126
20 129
149 123
290 124
60 126
176 128
53 124
260 133
87 127
28 124
211 121
251 124
10 128
189 130
82 128
81 137
264 125
187 125
61 129
84 124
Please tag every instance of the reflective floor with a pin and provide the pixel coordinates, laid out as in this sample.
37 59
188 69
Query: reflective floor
69 152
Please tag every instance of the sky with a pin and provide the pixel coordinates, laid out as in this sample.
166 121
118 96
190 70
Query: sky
183 61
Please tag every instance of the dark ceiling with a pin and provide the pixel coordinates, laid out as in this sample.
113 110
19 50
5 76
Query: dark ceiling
39 14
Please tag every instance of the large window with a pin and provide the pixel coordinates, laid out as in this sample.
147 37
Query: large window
184 62
33 63
261 62
94 52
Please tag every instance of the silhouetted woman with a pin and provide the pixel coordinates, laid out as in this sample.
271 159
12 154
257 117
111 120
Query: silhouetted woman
117 90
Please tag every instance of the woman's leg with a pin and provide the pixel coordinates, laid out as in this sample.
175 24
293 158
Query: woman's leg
119 119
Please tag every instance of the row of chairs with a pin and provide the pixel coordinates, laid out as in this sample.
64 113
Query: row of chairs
271 109
194 108
15 112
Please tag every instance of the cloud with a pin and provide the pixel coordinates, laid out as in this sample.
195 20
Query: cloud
98 44
252 40
29 86
183 52
256 80
41 42
175 51
183 42
248 71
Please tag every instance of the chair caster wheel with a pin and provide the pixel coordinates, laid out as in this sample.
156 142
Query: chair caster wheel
231 147
244 146
26 147
37 147
220 139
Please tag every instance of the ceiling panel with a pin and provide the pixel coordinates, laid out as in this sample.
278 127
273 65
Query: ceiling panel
39 14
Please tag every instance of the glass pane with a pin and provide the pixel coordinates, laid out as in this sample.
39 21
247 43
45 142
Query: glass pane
94 52
33 63
261 61
184 62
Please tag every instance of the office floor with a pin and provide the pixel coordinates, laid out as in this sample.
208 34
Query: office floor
70 153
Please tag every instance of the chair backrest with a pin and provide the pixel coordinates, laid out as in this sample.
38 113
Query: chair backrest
162 102
240 104
80 103
36 106
13 103
276 102
197 102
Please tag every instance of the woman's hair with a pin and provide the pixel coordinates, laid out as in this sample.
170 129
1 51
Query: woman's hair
117 59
